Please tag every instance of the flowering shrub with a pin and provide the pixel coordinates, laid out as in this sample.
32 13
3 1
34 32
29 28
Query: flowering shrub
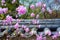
12 9
34 10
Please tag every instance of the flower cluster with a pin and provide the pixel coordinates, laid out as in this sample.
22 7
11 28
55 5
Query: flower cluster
3 2
21 10
8 20
3 10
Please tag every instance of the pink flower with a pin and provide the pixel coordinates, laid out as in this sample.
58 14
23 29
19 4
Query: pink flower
37 16
1 11
13 1
27 29
39 4
47 32
9 18
32 6
39 26
35 21
44 38
50 11
32 32
3 1
32 15
16 26
19 20
22 35
4 22
54 36
5 10
24 26
43 9
44 5
39 37
21 10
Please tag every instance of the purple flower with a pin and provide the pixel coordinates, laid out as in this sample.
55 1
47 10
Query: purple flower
32 6
32 32
24 26
5 10
44 5
26 29
35 21
16 26
3 4
1 11
39 4
19 20
22 35
4 22
44 38
21 10
13 1
32 15
43 9
39 26
47 32
3 1
50 11
9 19
37 16
54 36
39 37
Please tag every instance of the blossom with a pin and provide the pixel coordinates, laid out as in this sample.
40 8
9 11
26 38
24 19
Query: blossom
27 29
1 11
44 5
4 22
39 37
54 36
32 15
32 6
13 1
38 26
58 31
39 4
5 10
37 16
47 31
50 11
2 1
44 38
43 9
19 20
22 35
16 26
35 21
9 19
24 26
21 10
32 32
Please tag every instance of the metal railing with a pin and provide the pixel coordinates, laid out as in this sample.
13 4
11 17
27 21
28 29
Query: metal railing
51 24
